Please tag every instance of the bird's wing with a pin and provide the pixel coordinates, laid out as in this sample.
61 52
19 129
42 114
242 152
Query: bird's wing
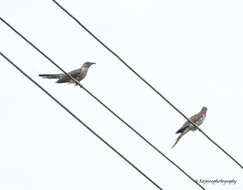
194 118
66 78
186 124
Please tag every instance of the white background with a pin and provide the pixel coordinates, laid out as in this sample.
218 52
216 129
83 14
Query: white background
191 51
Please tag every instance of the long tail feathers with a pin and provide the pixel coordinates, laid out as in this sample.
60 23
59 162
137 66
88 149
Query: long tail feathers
186 130
177 140
50 76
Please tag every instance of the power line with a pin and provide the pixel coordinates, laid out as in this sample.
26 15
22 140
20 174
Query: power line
145 81
81 122
117 116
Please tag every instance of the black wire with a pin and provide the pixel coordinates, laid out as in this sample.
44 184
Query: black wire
123 121
145 81
80 121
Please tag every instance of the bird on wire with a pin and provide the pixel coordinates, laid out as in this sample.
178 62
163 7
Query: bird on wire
197 119
78 74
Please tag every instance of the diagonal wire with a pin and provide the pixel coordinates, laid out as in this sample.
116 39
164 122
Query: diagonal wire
146 82
80 121
117 116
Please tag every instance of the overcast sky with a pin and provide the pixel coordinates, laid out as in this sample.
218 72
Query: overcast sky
191 51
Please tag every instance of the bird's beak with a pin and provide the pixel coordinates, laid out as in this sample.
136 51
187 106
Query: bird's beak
92 63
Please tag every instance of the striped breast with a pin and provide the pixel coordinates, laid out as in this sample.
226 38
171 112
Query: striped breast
198 122
79 77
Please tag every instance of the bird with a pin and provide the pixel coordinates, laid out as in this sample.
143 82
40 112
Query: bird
197 119
78 74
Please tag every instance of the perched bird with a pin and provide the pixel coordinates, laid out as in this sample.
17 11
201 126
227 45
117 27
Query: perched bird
197 119
78 74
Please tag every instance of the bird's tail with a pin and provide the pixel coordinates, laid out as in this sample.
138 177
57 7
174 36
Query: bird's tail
50 76
181 135
177 140
186 130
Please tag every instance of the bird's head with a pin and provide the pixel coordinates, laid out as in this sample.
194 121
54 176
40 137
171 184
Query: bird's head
88 64
204 110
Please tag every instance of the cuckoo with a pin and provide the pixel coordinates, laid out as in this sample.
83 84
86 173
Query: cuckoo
197 119
78 74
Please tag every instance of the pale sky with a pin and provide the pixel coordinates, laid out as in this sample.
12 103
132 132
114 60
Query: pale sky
191 51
